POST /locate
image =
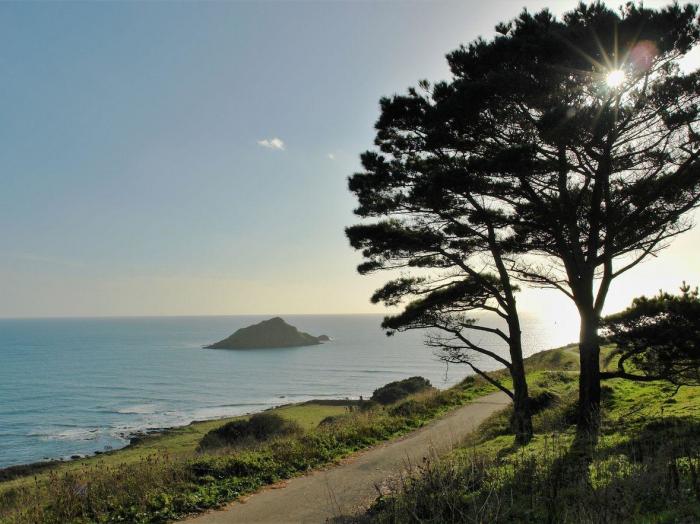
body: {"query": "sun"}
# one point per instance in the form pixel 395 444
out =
pixel 615 78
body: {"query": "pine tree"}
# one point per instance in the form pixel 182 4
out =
pixel 577 138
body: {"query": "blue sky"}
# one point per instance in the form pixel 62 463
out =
pixel 139 169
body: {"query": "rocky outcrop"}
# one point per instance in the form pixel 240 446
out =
pixel 273 333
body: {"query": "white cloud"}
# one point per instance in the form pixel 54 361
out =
pixel 272 143
pixel 331 156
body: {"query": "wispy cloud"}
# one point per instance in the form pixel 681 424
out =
pixel 272 143
pixel 331 156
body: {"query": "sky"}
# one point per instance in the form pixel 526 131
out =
pixel 191 158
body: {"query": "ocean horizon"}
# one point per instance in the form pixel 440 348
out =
pixel 75 386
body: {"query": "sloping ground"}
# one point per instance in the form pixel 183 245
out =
pixel 166 478
pixel 643 468
pixel 174 442
pixel 350 487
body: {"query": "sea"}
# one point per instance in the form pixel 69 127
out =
pixel 78 386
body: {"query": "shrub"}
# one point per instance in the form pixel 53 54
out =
pixel 260 426
pixel 410 408
pixel 552 379
pixel 542 400
pixel 367 405
pixel 389 394
pixel 331 420
pixel 395 391
pixel 468 381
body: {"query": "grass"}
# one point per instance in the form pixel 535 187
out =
pixel 175 442
pixel 164 477
pixel 643 468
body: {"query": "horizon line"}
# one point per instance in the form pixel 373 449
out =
pixel 98 317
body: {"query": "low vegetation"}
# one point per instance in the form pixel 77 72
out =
pixel 176 480
pixel 643 467
pixel 175 442
pixel 400 389
pixel 257 428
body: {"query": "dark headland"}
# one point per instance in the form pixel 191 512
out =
pixel 273 333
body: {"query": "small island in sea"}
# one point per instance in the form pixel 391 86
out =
pixel 273 333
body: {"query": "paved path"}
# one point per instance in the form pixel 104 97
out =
pixel 351 486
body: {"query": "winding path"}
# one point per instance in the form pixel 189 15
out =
pixel 349 487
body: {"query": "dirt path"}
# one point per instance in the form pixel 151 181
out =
pixel 347 488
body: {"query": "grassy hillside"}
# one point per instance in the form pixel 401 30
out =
pixel 165 477
pixel 645 466
pixel 176 442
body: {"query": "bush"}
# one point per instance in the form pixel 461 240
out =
pixel 330 420
pixel 542 400
pixel 410 408
pixel 367 405
pixel 260 426
pixel 553 379
pixel 389 394
pixel 395 391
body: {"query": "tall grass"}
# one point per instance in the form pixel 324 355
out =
pixel 644 467
pixel 550 486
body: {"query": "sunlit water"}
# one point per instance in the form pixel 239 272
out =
pixel 76 386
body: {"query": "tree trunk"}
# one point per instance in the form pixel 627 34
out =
pixel 521 421
pixel 589 379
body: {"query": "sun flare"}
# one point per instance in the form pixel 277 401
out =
pixel 615 78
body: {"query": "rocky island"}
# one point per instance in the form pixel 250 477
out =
pixel 273 333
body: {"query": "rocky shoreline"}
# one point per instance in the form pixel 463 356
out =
pixel 133 438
